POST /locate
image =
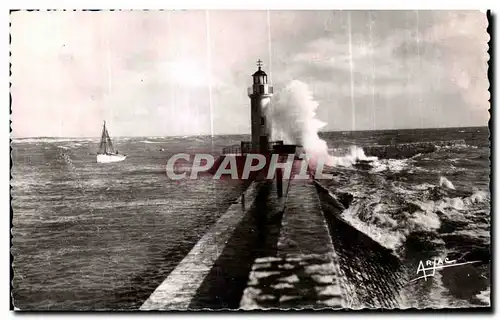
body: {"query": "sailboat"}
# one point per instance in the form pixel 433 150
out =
pixel 107 153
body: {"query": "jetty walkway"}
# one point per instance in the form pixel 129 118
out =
pixel 268 251
pixel 304 272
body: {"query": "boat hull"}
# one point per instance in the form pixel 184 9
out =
pixel 108 158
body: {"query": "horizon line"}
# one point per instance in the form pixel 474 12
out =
pixel 241 134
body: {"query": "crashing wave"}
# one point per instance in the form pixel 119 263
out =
pixel 391 239
pixel 355 155
pixel 477 197
pixel 391 220
pixel 391 232
pixel 446 183
pixel 394 165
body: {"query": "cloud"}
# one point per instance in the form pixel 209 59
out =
pixel 427 56
pixel 140 69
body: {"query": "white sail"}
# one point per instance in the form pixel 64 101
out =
pixel 107 153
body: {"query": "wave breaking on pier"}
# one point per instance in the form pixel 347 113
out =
pixel 293 114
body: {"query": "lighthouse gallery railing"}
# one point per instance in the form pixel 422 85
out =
pixel 247 147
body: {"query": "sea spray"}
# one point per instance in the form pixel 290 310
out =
pixel 293 115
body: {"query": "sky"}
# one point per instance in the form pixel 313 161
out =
pixel 159 73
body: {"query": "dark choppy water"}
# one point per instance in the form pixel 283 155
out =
pixel 90 236
pixel 98 236
pixel 410 207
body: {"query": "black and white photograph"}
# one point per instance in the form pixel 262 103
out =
pixel 214 160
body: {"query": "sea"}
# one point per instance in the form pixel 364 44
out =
pixel 89 236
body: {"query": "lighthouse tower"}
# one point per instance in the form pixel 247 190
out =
pixel 260 94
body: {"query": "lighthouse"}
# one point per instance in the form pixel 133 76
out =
pixel 260 94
